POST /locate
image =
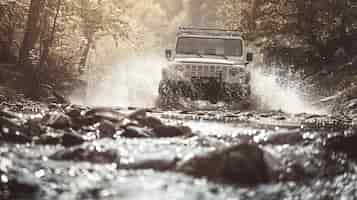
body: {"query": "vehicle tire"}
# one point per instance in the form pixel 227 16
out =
pixel 168 93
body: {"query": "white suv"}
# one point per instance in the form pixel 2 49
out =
pixel 208 64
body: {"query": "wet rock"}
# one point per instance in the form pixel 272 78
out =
pixel 8 114
pixel 139 114
pixel 12 188
pixel 143 120
pixel 289 137
pixel 280 118
pixel 77 115
pixel 241 164
pixel 136 132
pixel 159 165
pixel 12 132
pixel 57 120
pixel 74 112
pixel 93 154
pixel 150 122
pixel 100 114
pixel 107 129
pixel 265 115
pixel 294 171
pixel 9 123
pixel 50 139
pixel 171 131
pixel 344 144
pixel 33 127
pixel 15 137
pixel 72 139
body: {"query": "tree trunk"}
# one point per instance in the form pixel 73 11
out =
pixel 47 43
pixel 254 14
pixel 85 54
pixel 31 31
pixel 30 85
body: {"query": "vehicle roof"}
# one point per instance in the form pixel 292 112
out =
pixel 208 33
pixel 209 36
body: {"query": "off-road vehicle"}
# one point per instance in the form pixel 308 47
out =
pixel 207 64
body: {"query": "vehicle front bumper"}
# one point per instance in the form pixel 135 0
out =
pixel 207 88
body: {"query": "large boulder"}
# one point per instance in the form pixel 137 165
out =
pixel 244 164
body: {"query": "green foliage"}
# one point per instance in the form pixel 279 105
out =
pixel 11 21
pixel 61 38
pixel 321 24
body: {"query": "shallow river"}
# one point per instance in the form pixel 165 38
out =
pixel 28 172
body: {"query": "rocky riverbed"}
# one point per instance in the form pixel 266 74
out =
pixel 64 151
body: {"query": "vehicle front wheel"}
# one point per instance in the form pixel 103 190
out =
pixel 168 93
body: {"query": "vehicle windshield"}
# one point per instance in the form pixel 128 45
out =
pixel 209 46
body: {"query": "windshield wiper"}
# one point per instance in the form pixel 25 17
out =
pixel 198 54
pixel 221 55
pixel 224 56
pixel 193 53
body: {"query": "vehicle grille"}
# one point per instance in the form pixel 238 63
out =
pixel 206 70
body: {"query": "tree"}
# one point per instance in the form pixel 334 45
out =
pixel 32 31
pixel 11 20
pixel 323 25
pixel 30 83
pixel 95 20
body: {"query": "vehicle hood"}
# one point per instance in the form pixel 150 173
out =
pixel 208 60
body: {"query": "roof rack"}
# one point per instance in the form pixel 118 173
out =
pixel 208 31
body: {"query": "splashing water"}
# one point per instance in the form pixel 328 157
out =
pixel 287 96
pixel 132 82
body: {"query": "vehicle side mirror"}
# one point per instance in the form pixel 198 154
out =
pixel 168 54
pixel 250 57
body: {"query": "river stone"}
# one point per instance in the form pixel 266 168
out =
pixel 57 120
pixel 100 114
pixel 132 131
pixel 150 122
pixel 107 129
pixel 344 144
pixel 12 188
pixel 78 117
pixel 50 139
pixel 291 137
pixel 244 164
pixel 159 165
pixel 14 137
pixel 89 153
pixel 11 132
pixel 171 131
pixel 8 114
pixel 143 120
pixel 138 114
pixel 72 139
